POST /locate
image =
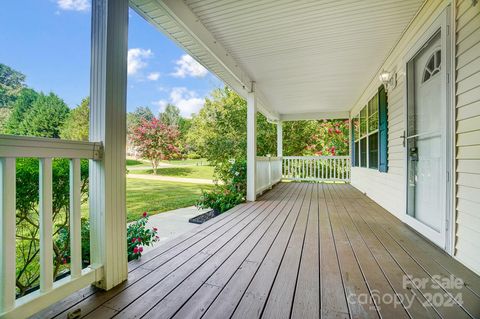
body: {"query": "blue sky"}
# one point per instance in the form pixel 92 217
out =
pixel 49 42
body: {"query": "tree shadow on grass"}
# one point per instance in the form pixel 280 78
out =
pixel 131 162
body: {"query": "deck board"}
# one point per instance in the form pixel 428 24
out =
pixel 301 251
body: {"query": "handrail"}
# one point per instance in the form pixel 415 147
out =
pixel 269 172
pixel 26 146
pixel 44 149
pixel 316 168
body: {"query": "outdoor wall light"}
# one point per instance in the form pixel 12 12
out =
pixel 388 79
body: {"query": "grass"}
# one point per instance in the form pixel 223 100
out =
pixel 202 172
pixel 133 162
pixel 159 196
pixel 200 162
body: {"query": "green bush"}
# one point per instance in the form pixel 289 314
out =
pixel 63 241
pixel 220 199
pixel 193 155
pixel 224 197
pixel 27 221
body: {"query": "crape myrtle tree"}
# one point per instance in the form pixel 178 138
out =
pixel 329 138
pixel 156 141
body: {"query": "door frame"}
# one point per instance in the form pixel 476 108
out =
pixel 444 239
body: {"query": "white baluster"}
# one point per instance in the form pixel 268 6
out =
pixel 335 164
pixel 75 219
pixel 7 233
pixel 46 244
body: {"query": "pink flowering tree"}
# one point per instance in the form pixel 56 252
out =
pixel 156 141
pixel 330 139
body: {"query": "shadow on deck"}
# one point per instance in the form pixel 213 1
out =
pixel 301 251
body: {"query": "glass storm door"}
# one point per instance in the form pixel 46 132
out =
pixel 426 142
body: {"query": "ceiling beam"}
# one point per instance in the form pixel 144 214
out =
pixel 315 116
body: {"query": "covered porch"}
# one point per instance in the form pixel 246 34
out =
pixel 298 249
pixel 302 250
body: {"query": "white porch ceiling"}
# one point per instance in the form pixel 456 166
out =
pixel 307 58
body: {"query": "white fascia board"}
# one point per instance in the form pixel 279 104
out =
pixel 315 116
pixel 181 14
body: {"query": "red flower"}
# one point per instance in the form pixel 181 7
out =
pixel 135 250
pixel 155 229
pixel 330 130
pixel 140 249
pixel 144 214
pixel 338 131
pixel 134 239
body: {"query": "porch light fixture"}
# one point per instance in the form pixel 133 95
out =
pixel 388 79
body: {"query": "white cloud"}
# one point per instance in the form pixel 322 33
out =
pixel 153 76
pixel 187 66
pixel 137 59
pixel 186 100
pixel 74 5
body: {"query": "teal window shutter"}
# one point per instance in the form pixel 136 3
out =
pixel 383 130
pixel 352 144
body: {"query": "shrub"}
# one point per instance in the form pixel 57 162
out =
pixel 220 199
pixel 63 242
pixel 27 218
pixel 138 236
pixel 193 155
pixel 232 193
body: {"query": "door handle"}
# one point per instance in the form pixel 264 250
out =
pixel 403 137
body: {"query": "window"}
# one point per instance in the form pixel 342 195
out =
pixel 368 148
pixel 433 66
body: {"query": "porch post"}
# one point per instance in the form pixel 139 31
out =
pixel 251 145
pixel 108 125
pixel 279 139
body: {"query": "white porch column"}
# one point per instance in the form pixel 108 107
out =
pixel 279 139
pixel 251 145
pixel 108 125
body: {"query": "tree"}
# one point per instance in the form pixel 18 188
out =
pixel 11 83
pixel 156 141
pixel 76 125
pixel 219 131
pixel 21 106
pixel 45 117
pixel 171 115
pixel 136 117
pixel 297 135
pixel 330 138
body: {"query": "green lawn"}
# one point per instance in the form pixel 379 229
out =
pixel 200 162
pixel 159 196
pixel 134 162
pixel 203 172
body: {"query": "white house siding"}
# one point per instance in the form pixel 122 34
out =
pixel 467 236
pixel 387 189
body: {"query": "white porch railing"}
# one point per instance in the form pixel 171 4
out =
pixel 316 168
pixel 269 172
pixel 45 149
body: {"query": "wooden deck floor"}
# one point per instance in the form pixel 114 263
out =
pixel 301 251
